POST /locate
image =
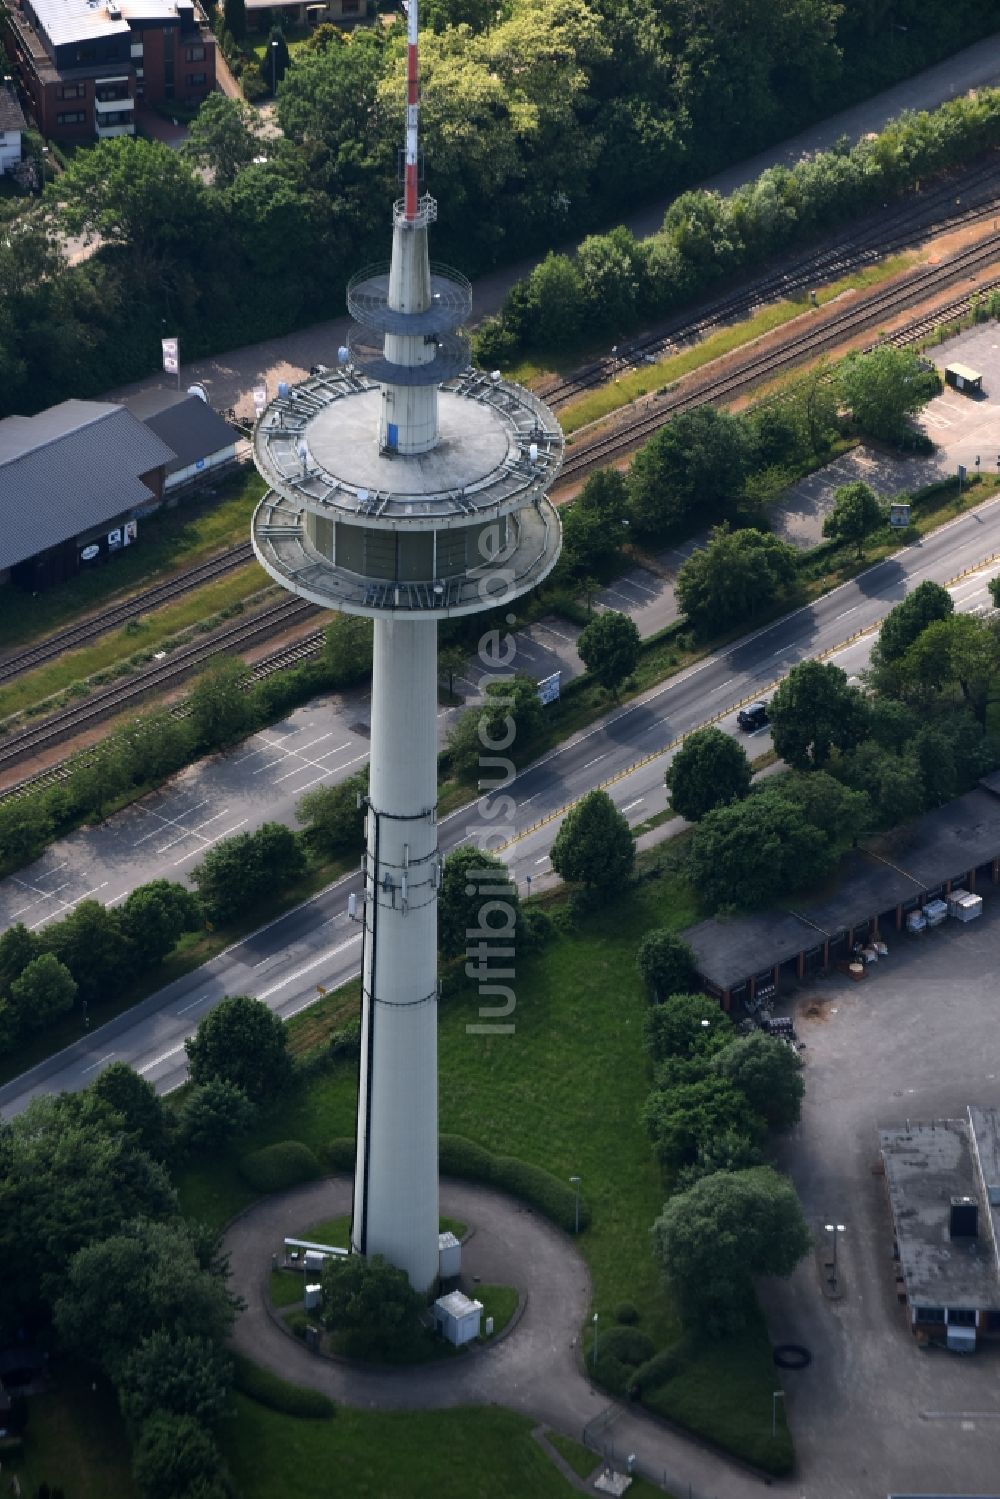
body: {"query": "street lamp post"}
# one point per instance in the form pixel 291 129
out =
pixel 274 66
pixel 594 1360
pixel 834 1229
pixel 776 1396
pixel 575 1181
pixel 527 881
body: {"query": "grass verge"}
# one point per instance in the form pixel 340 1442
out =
pixel 75 1440
pixel 169 542
pixel 580 1458
pixel 473 1453
pixel 639 382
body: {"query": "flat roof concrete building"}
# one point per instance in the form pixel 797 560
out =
pixel 943 1181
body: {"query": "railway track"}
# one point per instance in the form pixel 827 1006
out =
pixel 893 232
pixel 119 614
pixel 280 660
pixel 838 259
pixel 160 674
pixel 761 366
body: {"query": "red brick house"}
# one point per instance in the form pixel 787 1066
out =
pixel 84 63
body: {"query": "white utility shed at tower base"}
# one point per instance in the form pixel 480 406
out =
pixel 457 1317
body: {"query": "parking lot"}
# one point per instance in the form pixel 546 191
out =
pixel 916 1039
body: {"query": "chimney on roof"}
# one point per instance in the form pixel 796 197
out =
pixel 964 1218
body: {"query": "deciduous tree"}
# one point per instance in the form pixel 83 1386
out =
pixel 769 1075
pixel 666 963
pixel 885 387
pixel 813 711
pixel 609 648
pixel 709 770
pixel 238 872
pixel 749 853
pixel 138 1105
pixel 332 819
pixel 686 1025
pixel 739 575
pixel 156 915
pixel 185 1375
pixel 857 512
pixel 594 846
pixel 476 888
pixel 221 138
pixel 683 1117
pixel 242 1042
pixel 715 1238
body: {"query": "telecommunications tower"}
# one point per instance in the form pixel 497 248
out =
pixel 407 487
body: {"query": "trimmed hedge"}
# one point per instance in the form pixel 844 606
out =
pixel 284 1164
pixel 340 1153
pixel 621 1352
pixel 277 1394
pixel 464 1158
pixel 660 1369
pixel 533 1184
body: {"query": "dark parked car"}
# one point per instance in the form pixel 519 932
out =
pixel 752 717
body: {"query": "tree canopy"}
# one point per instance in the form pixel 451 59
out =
pixel 241 1041
pixel 609 648
pixel 594 846
pixel 857 512
pixel 665 962
pixel 905 621
pixel 476 889
pixel 715 1238
pixel 739 575
pixel 768 1073
pixel 886 387
pixel 813 711
pixel 709 770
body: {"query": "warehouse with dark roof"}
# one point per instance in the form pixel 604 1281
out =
pixel 202 442
pixel 74 482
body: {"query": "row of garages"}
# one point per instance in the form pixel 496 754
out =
pixel 746 960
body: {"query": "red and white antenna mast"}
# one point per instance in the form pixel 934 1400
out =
pixel 411 192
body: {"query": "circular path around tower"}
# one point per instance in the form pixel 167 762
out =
pixel 510 1245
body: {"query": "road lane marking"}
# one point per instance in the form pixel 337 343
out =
pixel 199 1001
pixel 161 1058
pixel 308 967
pixel 98 1063
pixel 637 803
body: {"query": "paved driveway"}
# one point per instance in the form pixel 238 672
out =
pixel 917 1039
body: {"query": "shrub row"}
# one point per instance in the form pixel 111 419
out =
pixel 706 238
pixel 471 1162
pixel 277 1394
pixel 287 1163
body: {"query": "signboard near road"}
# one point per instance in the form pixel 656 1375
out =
pixel 548 688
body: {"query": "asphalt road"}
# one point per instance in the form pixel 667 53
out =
pixel 315 945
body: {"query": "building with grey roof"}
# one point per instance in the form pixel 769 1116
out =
pixel 957 845
pixel 73 481
pixel 201 440
pixel 943 1181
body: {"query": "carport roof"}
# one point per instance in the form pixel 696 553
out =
pixel 898 868
pixel 727 952
pixel 948 841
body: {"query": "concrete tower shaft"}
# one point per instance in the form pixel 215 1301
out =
pixel 396 1184
pixel 406 487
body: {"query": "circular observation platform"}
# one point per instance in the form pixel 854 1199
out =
pixel 451 357
pixel 451 531
pixel 499 447
pixel 368 302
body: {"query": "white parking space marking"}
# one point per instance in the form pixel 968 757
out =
pixel 167 821
pixel 194 832
pixel 208 842
pixel 63 905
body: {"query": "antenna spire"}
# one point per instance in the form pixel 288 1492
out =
pixel 411 192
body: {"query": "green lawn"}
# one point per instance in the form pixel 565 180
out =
pixel 564 1091
pixel 474 1453
pixel 646 378
pixel 168 542
pixel 287 1287
pixel 580 1458
pixel 75 1441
